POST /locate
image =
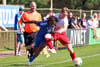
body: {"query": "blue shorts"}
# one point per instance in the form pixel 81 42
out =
pixel 39 39
pixel 20 38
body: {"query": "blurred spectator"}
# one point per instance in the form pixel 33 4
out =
pixel 71 21
pixel 20 37
pixel 83 21
pixel 91 25
pixel 99 19
pixel 75 20
pixel 75 17
pixel 95 18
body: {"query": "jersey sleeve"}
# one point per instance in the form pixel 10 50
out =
pixel 42 23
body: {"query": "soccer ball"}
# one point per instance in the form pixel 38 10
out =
pixel 78 61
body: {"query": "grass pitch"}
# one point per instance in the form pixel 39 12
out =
pixel 89 54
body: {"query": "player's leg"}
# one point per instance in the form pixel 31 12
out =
pixel 36 47
pixel 36 53
pixel 17 48
pixel 28 43
pixel 31 50
pixel 18 45
pixel 27 47
pixel 65 41
pixel 21 43
pixel 49 38
pixel 28 51
pixel 94 32
pixel 32 39
pixel 70 49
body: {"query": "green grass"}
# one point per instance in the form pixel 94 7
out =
pixel 61 59
pixel 9 48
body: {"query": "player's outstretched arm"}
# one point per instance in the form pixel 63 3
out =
pixel 27 21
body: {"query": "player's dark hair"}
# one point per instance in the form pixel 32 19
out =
pixel 53 18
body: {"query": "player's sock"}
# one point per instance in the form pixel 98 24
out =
pixel 31 59
pixel 72 55
pixel 31 52
pixel 49 43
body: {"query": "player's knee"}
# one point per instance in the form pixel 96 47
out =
pixel 48 36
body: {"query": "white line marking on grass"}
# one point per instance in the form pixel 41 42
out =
pixel 65 61
pixel 42 65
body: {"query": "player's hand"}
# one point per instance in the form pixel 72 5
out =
pixel 22 30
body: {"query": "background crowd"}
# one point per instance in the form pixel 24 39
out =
pixel 85 22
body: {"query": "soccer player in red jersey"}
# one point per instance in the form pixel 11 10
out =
pixel 59 33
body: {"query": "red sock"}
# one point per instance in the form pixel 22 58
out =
pixel 49 43
pixel 72 55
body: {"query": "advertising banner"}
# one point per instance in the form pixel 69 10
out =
pixel 7 14
pixel 78 37
pixel 91 39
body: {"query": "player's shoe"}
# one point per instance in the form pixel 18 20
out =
pixel 27 64
pixel 53 51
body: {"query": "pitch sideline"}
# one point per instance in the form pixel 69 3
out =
pixel 65 61
pixel 42 65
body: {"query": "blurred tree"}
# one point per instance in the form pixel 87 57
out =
pixel 91 4
pixel 85 4
pixel 62 3
pixel 40 3
pixel 72 4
